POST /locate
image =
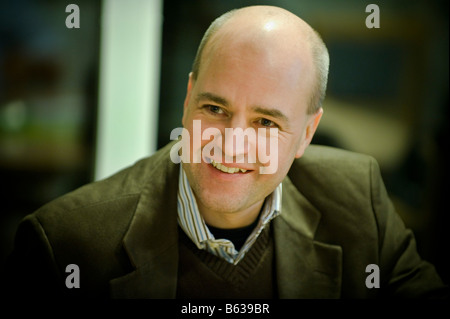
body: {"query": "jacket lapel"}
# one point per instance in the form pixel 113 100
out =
pixel 152 241
pixel 305 268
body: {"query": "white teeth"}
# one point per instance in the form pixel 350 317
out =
pixel 229 170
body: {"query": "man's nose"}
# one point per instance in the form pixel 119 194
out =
pixel 238 141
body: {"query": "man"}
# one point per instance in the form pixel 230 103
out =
pixel 315 227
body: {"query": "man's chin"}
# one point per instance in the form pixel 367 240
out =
pixel 223 202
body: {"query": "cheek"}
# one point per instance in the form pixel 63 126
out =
pixel 202 134
pixel 282 153
pixel 276 153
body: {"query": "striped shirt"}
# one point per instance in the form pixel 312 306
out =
pixel 193 224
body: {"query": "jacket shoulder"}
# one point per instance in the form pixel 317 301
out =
pixel 319 155
pixel 87 226
pixel 343 186
pixel 328 168
pixel 118 192
pixel 105 208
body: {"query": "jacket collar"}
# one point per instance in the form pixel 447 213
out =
pixel 308 269
pixel 305 268
pixel 151 241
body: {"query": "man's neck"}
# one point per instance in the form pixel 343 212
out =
pixel 231 220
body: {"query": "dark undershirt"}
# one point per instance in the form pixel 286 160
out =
pixel 237 236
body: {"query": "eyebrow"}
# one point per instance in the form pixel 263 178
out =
pixel 212 97
pixel 273 112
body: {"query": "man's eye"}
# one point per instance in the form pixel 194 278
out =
pixel 215 109
pixel 266 122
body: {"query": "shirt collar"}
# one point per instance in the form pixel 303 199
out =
pixel 193 224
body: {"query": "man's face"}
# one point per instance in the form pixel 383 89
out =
pixel 238 87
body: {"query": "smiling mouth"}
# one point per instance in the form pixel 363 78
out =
pixel 225 169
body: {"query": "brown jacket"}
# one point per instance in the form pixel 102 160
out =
pixel 122 233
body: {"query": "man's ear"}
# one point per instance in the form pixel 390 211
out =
pixel 311 126
pixel 188 95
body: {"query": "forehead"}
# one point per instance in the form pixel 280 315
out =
pixel 257 71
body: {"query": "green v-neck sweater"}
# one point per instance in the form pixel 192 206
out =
pixel 203 275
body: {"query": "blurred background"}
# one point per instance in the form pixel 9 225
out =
pixel 61 119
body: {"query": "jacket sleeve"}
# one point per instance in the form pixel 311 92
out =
pixel 31 271
pixel 403 273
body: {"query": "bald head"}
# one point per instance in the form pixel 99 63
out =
pixel 285 41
